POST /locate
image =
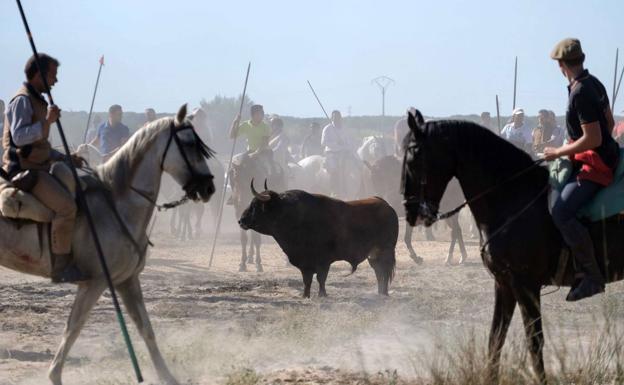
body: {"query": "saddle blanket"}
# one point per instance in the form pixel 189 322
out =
pixel 608 202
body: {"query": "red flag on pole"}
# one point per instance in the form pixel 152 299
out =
pixel 102 60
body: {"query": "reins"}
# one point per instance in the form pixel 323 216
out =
pixel 457 209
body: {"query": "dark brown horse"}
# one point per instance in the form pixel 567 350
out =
pixel 385 176
pixel 507 194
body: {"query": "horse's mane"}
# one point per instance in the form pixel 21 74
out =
pixel 502 158
pixel 120 169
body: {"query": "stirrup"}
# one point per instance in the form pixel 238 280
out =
pixel 70 274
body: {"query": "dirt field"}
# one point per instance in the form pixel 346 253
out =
pixel 219 326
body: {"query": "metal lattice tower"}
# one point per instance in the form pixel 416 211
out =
pixel 383 82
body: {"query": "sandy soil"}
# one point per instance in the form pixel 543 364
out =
pixel 220 326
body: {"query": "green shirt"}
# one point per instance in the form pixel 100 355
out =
pixel 255 135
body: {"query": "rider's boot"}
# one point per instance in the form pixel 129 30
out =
pixel 65 270
pixel 592 281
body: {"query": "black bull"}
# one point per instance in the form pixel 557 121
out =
pixel 314 231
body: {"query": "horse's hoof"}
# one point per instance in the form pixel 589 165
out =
pixel 259 268
pixel 242 267
pixel 250 260
pixel 418 260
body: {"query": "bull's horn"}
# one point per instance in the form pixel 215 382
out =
pixel 265 185
pixel 262 197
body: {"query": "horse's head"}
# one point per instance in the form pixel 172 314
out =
pixel 185 158
pixel 428 166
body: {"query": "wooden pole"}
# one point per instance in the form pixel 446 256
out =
pixel 498 115
pixel 227 175
pixel 615 79
pixel 97 81
pixel 515 82
pixel 82 201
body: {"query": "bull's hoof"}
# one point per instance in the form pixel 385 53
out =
pixel 242 267
pixel 322 294
pixel 259 268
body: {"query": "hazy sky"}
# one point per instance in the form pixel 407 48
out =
pixel 447 57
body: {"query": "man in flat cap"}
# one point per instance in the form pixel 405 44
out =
pixel 594 153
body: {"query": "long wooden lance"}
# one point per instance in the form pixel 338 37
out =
pixel 498 115
pixel 319 102
pixel 83 203
pixel 97 81
pixel 515 82
pixel 617 91
pixel 227 175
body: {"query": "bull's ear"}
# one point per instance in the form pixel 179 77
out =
pixel 181 115
pixel 416 123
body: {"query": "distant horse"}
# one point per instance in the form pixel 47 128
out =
pixel 507 193
pixel 310 175
pixel 244 169
pixel 131 181
pixel 372 149
pixel 181 221
pixel 385 177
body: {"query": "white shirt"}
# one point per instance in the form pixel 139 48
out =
pixel 523 133
pixel 334 139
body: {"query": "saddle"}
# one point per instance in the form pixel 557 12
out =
pixel 21 205
pixel 608 202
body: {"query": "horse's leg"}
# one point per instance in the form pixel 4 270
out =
pixel 529 302
pixel 132 297
pixel 86 297
pixel 200 209
pixel 449 258
pixel 504 305
pixel 409 230
pixel 251 253
pixel 172 222
pixel 243 239
pixel 460 241
pixel 257 241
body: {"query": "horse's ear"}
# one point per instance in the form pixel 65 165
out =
pixel 181 115
pixel 368 165
pixel 415 122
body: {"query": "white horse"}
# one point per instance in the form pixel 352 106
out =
pixel 372 149
pixel 133 176
pixel 310 175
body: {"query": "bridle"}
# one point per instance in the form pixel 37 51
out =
pixel 418 201
pixel 195 176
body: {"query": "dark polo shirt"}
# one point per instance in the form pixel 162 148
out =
pixel 587 102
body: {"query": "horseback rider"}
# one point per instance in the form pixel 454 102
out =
pixel 518 131
pixel 547 133
pixel 112 134
pixel 31 164
pixel 338 148
pixel 594 153
pixel 279 143
pixel 257 134
pixel 312 143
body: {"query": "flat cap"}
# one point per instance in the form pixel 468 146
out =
pixel 567 49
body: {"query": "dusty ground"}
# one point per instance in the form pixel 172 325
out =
pixel 221 326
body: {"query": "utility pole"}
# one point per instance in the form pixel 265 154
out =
pixel 383 82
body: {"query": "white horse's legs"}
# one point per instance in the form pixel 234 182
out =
pixel 86 297
pixel 132 297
